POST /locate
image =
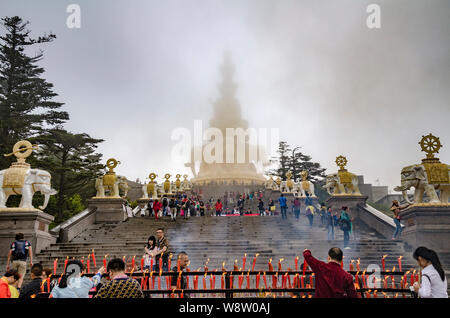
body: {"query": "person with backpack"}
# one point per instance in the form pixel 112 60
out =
pixel 309 211
pixel 73 284
pixel 345 224
pixel 19 252
pixel 165 204
pixel 433 282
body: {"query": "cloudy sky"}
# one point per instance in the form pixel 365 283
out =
pixel 136 70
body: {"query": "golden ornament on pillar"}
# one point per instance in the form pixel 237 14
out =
pixel 14 176
pixel 344 176
pixel 151 184
pixel 278 181
pixel 289 182
pixel 305 182
pixel 178 181
pixel 437 172
pixel 167 183
pixel 109 178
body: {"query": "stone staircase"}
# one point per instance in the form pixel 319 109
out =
pixel 227 238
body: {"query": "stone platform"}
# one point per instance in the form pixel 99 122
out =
pixel 33 223
pixel 427 225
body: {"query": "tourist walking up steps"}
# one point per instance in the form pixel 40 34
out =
pixel 283 206
pixel 346 226
pixel 73 284
pixel 271 207
pixel 296 208
pixel 396 208
pixel 120 285
pixel 19 252
pixel 329 220
pixel 173 208
pixel 157 208
pixel 218 207
pixel 261 207
pixel 331 280
pixel 433 281
pixel 309 209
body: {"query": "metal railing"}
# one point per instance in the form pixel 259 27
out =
pixel 297 284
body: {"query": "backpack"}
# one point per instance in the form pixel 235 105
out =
pixel 344 225
pixel 20 251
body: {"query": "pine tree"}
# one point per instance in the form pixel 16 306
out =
pixel 26 105
pixel 73 163
pixel 283 160
pixel 300 162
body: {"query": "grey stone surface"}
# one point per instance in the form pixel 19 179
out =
pixel 67 230
pixel 427 226
pixel 108 209
pixel 32 223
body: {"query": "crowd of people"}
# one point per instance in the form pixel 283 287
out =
pixel 331 280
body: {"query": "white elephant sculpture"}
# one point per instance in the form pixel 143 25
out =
pixel 426 182
pixel 296 190
pixel 307 186
pixel 149 190
pixel 36 180
pixel 120 183
pixel 335 186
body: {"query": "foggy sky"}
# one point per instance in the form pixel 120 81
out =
pixel 138 69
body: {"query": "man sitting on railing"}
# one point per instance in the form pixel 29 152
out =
pixel 331 280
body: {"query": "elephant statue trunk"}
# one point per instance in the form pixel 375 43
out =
pixel 405 196
pixel 47 197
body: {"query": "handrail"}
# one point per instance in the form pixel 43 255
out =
pixel 66 225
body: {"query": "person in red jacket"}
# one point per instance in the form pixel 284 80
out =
pixel 156 207
pixel 218 208
pixel 331 280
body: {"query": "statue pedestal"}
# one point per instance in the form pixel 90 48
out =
pixel 428 226
pixel 143 202
pixel 351 201
pixel 33 223
pixel 108 210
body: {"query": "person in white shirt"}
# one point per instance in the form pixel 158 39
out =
pixel 433 281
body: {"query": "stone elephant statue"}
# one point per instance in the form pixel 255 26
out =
pixel 147 189
pixel 307 186
pixel 296 190
pixel 334 185
pixel 114 190
pixel 284 187
pixel 35 180
pixel 418 177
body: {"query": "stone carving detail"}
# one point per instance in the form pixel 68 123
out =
pixel 19 178
pixel 111 182
pixel 428 177
pixel 343 182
